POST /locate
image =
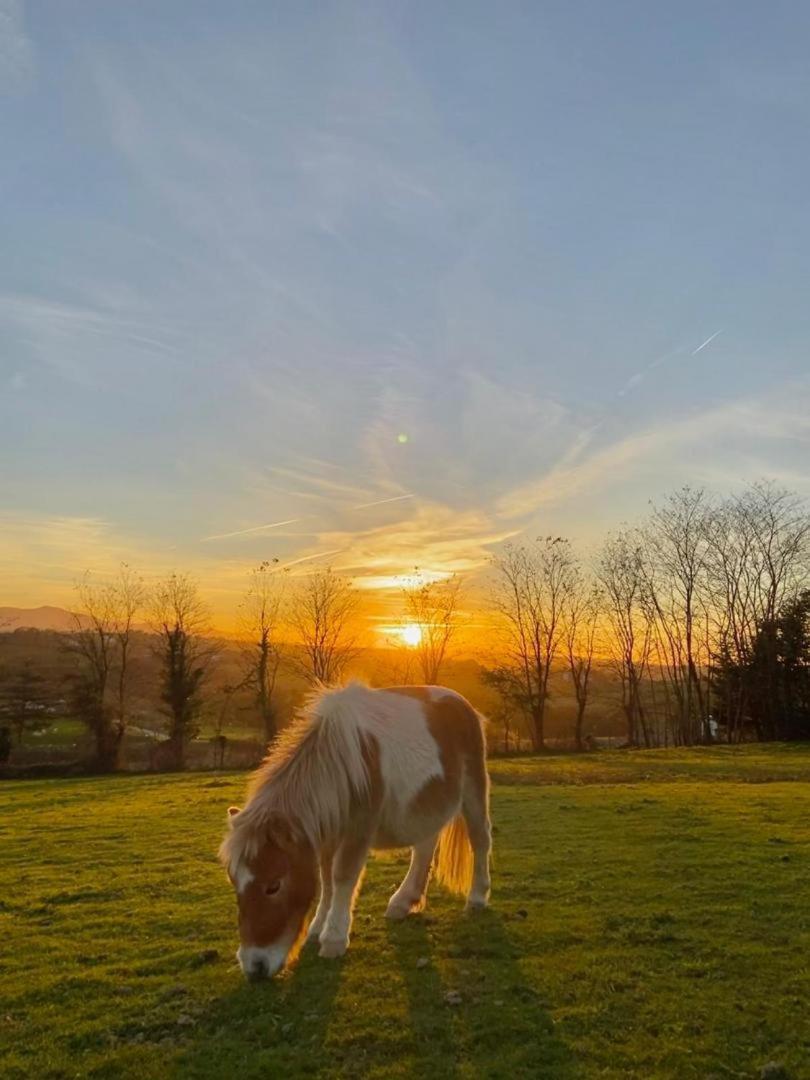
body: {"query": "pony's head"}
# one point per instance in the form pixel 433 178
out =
pixel 274 873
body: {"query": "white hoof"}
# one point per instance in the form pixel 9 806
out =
pixel 400 908
pixel 332 948
pixel 477 903
pixel 397 912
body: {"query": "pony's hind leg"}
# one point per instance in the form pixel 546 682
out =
pixel 475 808
pixel 410 896
pixel 325 902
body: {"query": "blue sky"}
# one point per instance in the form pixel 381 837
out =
pixel 248 246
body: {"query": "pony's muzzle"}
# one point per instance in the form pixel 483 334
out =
pixel 260 963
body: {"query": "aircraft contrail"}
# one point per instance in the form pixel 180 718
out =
pixel 307 558
pixel 254 529
pixel 381 502
pixel 708 341
pixel 639 376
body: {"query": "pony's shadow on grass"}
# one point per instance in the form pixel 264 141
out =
pixel 269 1028
pixel 469 1001
pixel 435 1039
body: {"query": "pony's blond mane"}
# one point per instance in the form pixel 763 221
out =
pixel 309 781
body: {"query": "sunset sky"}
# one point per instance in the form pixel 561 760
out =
pixel 383 284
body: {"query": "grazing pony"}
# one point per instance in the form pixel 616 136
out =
pixel 360 769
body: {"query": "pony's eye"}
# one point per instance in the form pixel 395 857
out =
pixel 272 888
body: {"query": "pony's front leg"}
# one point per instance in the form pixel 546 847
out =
pixel 347 869
pixel 327 854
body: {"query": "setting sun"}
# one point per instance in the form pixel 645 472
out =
pixel 411 634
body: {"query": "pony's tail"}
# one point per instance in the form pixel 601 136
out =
pixel 454 858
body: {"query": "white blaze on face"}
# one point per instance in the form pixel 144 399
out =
pixel 242 877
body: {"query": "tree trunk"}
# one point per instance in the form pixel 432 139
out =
pixel 269 723
pixel 175 757
pixel 538 733
pixel 631 727
pixel 580 723
pixel 108 749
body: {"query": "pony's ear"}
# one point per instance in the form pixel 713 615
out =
pixel 232 812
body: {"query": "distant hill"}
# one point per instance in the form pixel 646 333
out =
pixel 39 618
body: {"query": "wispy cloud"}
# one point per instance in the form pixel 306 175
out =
pixel 383 502
pixel 73 340
pixel 41 556
pixel 251 531
pixel 660 449
pixel 437 539
pixel 309 482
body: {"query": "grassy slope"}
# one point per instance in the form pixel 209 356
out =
pixel 650 919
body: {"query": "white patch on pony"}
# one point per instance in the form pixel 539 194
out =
pixel 409 755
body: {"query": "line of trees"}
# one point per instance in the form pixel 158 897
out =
pixel 701 612
pixel 308 627
pixel 320 611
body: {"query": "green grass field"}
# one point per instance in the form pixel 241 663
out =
pixel 650 918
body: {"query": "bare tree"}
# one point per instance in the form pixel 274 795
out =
pixel 185 650
pixel 93 644
pixel 260 618
pixel 532 588
pixel 433 606
pixel 676 554
pixel 101 639
pixel 127 599
pixel 621 572
pixel 581 621
pixel 323 614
